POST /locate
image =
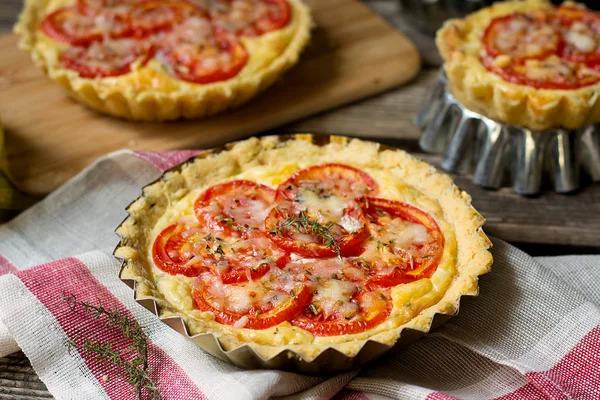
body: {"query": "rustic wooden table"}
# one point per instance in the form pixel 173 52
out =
pixel 382 117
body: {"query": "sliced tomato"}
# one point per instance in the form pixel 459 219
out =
pixel 152 16
pixel 67 25
pixel 251 17
pixel 521 36
pixel 96 7
pixel 237 208
pixel 373 307
pixel 261 315
pixel 317 215
pixel 581 33
pixel 567 15
pixel 406 243
pixel 326 180
pixel 556 73
pixel 240 260
pixel 175 247
pixel 299 232
pixel 105 59
pixel 193 51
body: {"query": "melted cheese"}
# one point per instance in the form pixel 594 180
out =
pixel 252 215
pixel 524 38
pixel 403 233
pixel 334 296
pixel 331 207
pixel 581 37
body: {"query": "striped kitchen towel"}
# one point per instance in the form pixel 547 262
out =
pixel 533 333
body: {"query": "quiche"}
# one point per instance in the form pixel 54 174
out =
pixel 526 63
pixel 293 244
pixel 158 60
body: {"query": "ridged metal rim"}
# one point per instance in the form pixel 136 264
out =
pixel 497 153
pixel 328 361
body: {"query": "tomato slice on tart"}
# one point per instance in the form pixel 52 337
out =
pixel 96 7
pixel 239 260
pixel 153 16
pixel 68 26
pixel 581 33
pixel 317 235
pixel 406 243
pixel 551 73
pixel 254 305
pixel 175 247
pixel 568 14
pixel 237 208
pixel 343 308
pixel 251 17
pixel 317 214
pixel 107 58
pixel 521 36
pixel 321 182
pixel 194 51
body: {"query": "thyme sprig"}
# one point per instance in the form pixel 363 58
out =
pixel 136 371
pixel 303 224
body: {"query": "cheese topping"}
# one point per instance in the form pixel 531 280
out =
pixel 582 38
pixel 544 48
pixel 523 37
pixel 334 298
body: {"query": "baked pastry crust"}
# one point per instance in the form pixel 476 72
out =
pixel 459 42
pixel 148 93
pixel 270 161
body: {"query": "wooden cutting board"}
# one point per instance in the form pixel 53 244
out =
pixel 50 138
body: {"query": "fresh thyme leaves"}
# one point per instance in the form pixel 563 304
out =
pixel 219 250
pixel 362 263
pixel 136 371
pixel 135 374
pixel 303 224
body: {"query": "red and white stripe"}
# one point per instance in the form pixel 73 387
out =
pixel 164 160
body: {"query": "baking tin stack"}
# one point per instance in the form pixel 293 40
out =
pixel 499 155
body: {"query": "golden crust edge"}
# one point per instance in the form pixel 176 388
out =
pixel 155 105
pixel 485 92
pixel 456 204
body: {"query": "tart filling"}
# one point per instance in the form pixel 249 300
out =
pixel 148 59
pixel 526 63
pixel 287 245
pixel 546 49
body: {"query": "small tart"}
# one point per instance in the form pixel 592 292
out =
pixel 284 244
pixel 526 63
pixel 163 60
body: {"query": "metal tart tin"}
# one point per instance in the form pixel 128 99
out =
pixel 329 361
pixel 497 154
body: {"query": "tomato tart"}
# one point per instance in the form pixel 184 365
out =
pixel 526 63
pixel 287 244
pixel 158 60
